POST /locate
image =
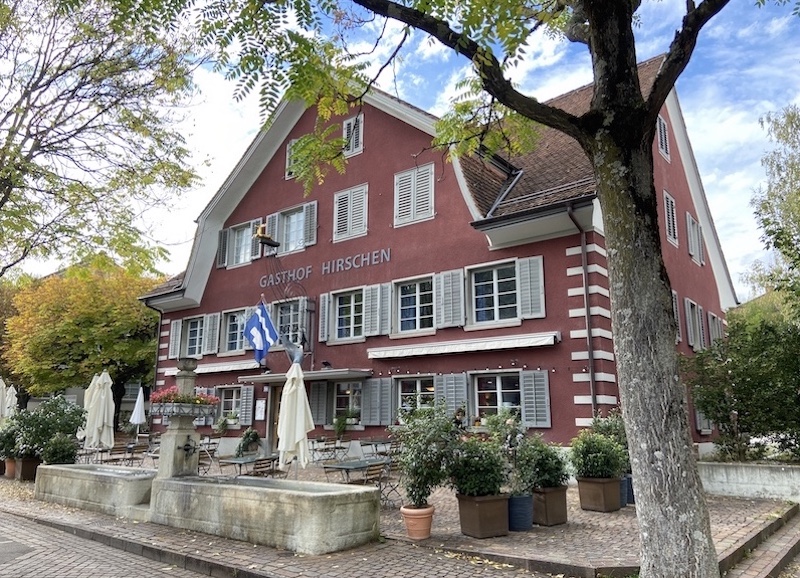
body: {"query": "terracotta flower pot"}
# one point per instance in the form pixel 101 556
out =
pixel 418 521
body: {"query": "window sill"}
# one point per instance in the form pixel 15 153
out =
pixel 232 353
pixel 346 341
pixel 407 334
pixel 414 221
pixel 330 427
pixel 493 325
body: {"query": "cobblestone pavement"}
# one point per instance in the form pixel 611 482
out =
pixel 590 539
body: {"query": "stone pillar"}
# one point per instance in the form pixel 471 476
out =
pixel 177 454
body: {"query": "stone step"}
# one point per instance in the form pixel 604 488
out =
pixel 771 556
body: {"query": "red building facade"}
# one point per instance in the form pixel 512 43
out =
pixel 482 281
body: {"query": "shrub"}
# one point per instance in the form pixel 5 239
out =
pixel 478 467
pixel 60 449
pixel 249 436
pixel 613 426
pixel 595 455
pixel 36 427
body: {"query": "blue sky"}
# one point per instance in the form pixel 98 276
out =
pixel 746 64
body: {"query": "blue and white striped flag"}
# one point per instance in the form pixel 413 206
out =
pixel 260 332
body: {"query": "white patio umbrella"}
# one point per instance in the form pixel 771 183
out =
pixel 87 400
pixel 2 400
pixel 100 413
pixel 11 401
pixel 294 420
pixel 138 416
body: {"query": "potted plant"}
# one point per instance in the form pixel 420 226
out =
pixel 613 426
pixel 425 439
pixel 549 484
pixel 599 461
pixel 8 439
pixel 170 401
pixel 247 440
pixel 221 425
pixel 478 472
pixel 60 449
pixel 340 425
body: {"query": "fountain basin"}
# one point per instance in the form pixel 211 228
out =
pixel 306 517
pixel 113 490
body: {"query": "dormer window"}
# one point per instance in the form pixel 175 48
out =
pixel 353 134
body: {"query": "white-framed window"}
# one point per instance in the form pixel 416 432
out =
pixel 694 234
pixel 194 336
pixel 494 293
pixel 290 318
pixel 294 228
pixel 349 309
pixel 350 213
pixel 695 325
pixel 353 134
pixel 236 403
pixel 413 195
pixel 288 174
pixel 237 245
pixel 416 392
pixel 233 323
pixel 414 305
pixel 677 315
pixel 497 391
pixel 348 399
pixel 671 218
pixel 663 137
pixel 716 328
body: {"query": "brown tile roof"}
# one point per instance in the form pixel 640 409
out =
pixel 554 172
pixel 166 287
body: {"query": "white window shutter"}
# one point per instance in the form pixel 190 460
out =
pixel 302 317
pixel 318 400
pixel 700 248
pixel 386 309
pixel 530 279
pixel 687 303
pixel 248 312
pixel 403 197
pixel 222 249
pixel 677 315
pixel 376 401
pixel 449 298
pixel 341 214
pixel 246 405
pixel 310 223
pixel 210 334
pixel 423 193
pixel 691 234
pixel 535 398
pixel 701 326
pixel 358 210
pixel 452 388
pixel 255 244
pixel 272 231
pixel 372 303
pixel 324 298
pixel 289 158
pixel 175 339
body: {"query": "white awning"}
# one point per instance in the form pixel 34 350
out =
pixel 215 367
pixel 466 345
pixel 321 375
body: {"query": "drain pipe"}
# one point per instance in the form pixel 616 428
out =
pixel 588 316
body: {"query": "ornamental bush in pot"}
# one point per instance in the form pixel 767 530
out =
pixel 426 437
pixel 478 472
pixel 599 461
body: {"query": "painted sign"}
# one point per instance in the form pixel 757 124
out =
pixel 339 265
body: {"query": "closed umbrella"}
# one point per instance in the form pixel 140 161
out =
pixel 11 401
pixel 87 401
pixel 100 413
pixel 2 400
pixel 138 416
pixel 294 420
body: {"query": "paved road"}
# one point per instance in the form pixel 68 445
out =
pixel 32 550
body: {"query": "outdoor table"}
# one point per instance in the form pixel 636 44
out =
pixel 347 466
pixel 243 460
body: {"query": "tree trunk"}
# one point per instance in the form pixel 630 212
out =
pixel 670 505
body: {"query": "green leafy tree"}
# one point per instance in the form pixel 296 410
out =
pixel 777 204
pixel 749 384
pixel 69 327
pixel 308 50
pixel 86 132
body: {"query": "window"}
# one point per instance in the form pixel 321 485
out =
pixel 671 218
pixel 194 336
pixel 289 160
pixel 230 402
pixel 348 399
pixel 715 327
pixel 413 195
pixel 495 293
pixel 233 330
pixel 349 314
pixel 415 305
pixel 663 137
pixel 496 392
pixel 695 325
pixel 238 245
pixel 290 318
pixel 416 392
pixel 694 234
pixel 353 134
pixel 677 316
pixel 350 213
pixel 294 228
